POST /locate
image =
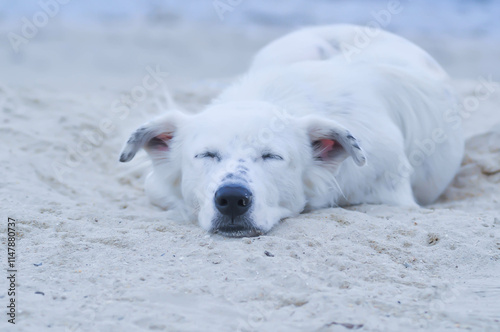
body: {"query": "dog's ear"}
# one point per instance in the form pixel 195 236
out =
pixel 154 136
pixel 331 142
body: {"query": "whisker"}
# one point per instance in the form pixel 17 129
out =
pixel 334 180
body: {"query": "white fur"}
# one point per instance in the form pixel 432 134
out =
pixel 387 108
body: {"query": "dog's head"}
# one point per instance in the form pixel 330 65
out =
pixel 239 168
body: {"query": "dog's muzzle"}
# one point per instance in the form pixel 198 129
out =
pixel 233 202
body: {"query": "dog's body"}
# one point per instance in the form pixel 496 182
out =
pixel 309 126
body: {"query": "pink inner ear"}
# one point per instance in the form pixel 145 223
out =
pixel 165 138
pixel 326 146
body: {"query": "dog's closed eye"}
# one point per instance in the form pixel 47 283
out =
pixel 270 156
pixel 209 154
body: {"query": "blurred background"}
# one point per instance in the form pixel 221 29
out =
pixel 94 43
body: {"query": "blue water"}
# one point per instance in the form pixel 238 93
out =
pixel 460 18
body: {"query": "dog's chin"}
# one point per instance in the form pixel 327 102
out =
pixel 238 227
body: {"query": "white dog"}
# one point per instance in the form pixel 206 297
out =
pixel 317 121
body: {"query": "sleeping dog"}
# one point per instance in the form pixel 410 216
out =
pixel 317 121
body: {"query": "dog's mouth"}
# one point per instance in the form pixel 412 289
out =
pixel 235 227
pixel 238 232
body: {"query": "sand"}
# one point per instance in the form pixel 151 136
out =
pixel 94 255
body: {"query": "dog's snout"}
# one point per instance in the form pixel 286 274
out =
pixel 233 201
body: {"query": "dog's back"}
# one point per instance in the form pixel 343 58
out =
pixel 352 43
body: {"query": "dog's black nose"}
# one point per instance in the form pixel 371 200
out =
pixel 233 200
